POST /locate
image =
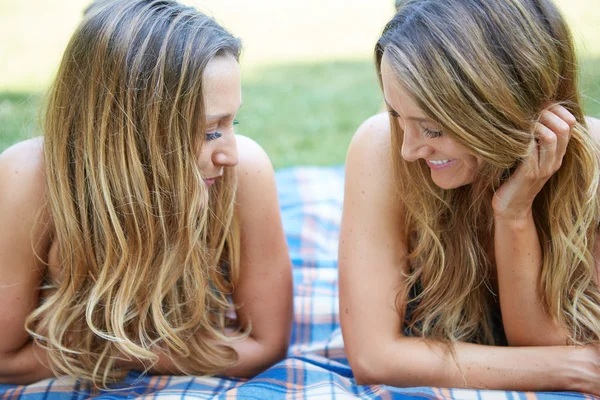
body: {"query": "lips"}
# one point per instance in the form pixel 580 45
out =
pixel 439 164
pixel 211 181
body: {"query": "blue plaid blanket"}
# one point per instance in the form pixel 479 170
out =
pixel 316 367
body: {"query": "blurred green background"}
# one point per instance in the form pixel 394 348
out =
pixel 308 77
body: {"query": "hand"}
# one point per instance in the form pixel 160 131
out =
pixel 583 373
pixel 552 133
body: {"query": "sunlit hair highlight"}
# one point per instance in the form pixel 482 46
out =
pixel 485 70
pixel 149 254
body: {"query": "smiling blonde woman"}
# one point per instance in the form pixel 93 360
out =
pixel 469 238
pixel 140 232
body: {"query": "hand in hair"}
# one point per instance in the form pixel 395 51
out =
pixel 519 257
pixel 373 269
pixel 552 132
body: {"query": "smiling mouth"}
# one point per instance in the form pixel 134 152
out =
pixel 439 162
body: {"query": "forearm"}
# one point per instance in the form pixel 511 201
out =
pixel 25 366
pixel 411 362
pixel 518 263
pixel 255 356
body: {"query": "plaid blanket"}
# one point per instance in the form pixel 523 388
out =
pixel 316 368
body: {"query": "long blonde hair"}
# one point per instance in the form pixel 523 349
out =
pixel 149 254
pixel 485 70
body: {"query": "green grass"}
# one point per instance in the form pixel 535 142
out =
pixel 18 117
pixel 306 114
pixel 301 106
pixel 590 86
pixel 302 114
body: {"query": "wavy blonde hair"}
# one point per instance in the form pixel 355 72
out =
pixel 149 254
pixel 485 70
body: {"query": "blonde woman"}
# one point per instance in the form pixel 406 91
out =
pixel 469 238
pixel 140 232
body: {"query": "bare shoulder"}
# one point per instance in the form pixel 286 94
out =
pixel 256 177
pixel 369 160
pixel 23 186
pixel 22 174
pixel 594 127
pixel 374 133
pixel 371 201
pixel 252 157
pixel 28 151
pixel 24 238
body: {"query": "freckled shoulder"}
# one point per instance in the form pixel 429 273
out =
pixel 252 159
pixel 376 128
pixel 24 239
pixel 372 144
pixel 256 197
pixel 254 170
pixel 22 197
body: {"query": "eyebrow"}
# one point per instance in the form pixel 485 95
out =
pixel 419 119
pixel 220 116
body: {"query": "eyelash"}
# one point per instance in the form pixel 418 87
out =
pixel 213 136
pixel 428 132
pixel 432 134
pixel 216 135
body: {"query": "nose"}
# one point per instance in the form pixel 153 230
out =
pixel 226 154
pixel 414 146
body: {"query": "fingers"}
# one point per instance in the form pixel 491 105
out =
pixel 560 121
pixel 547 143
pixel 553 132
pixel 564 114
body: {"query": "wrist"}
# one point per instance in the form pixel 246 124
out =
pixel 577 367
pixel 516 216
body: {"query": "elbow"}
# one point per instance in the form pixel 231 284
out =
pixel 363 375
pixel 266 353
pixel 276 345
pixel 277 349
pixel 366 366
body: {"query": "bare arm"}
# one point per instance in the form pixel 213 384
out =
pixel 593 125
pixel 26 365
pixel 517 247
pixel 519 261
pixel 372 258
pixel 22 236
pixel 518 251
pixel 265 291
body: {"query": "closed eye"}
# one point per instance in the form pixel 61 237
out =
pixel 213 136
pixel 432 134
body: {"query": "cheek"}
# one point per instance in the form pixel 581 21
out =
pixel 473 162
pixel 204 157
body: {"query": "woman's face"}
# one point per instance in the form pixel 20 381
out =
pixel 451 164
pixel 222 98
